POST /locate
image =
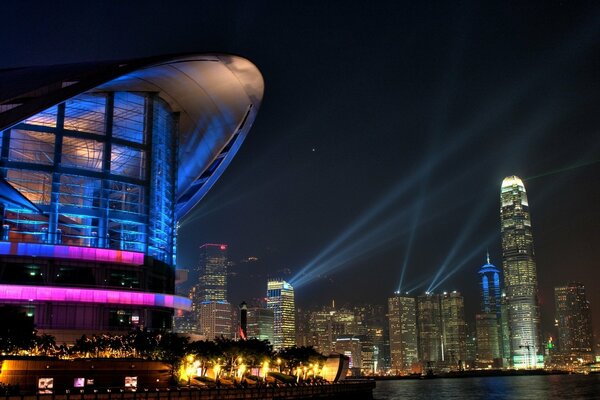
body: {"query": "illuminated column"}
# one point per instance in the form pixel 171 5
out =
pixel 520 277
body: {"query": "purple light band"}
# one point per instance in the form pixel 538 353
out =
pixel 99 296
pixel 71 252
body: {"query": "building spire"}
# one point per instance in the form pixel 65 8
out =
pixel 488 256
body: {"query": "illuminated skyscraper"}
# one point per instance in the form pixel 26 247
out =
pixel 260 323
pixel 280 298
pixel 488 321
pixel 574 322
pixel 429 328
pixel 520 277
pixel 454 329
pixel 212 272
pixel 99 163
pixel 214 311
pixel 402 314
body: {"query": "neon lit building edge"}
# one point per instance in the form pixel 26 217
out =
pixel 97 296
pixel 71 252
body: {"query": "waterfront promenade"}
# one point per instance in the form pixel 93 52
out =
pixel 344 390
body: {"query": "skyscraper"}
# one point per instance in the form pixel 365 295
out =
pixel 280 298
pixel 402 314
pixel 214 311
pixel 488 321
pixel 520 277
pixel 454 329
pixel 574 322
pixel 212 272
pixel 429 328
pixel 260 323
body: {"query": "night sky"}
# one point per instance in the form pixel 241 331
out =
pixel 384 135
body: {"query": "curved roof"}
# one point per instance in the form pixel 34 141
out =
pixel 512 180
pixel 217 97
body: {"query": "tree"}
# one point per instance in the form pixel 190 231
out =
pixel 17 330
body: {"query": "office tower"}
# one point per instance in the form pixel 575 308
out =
pixel 260 323
pixel 488 321
pixel 520 277
pixel 504 333
pixel 574 320
pixel 350 346
pixel 212 272
pixel 491 293
pixel 280 298
pixel 402 315
pixel 454 329
pixel 215 319
pixel 100 161
pixel 488 341
pixel 429 328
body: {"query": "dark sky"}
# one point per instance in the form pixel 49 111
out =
pixel 387 125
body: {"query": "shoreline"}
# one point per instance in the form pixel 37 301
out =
pixel 474 374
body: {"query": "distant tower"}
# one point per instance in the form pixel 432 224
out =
pixel 429 328
pixel 574 322
pixel 488 322
pixel 402 314
pixel 454 329
pixel 210 296
pixel 490 288
pixel 280 298
pixel 212 272
pixel 520 277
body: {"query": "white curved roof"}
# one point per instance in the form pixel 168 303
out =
pixel 217 97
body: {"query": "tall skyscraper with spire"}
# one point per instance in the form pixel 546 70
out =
pixel 520 277
pixel 488 320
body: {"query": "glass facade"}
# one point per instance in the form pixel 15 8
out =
pixel 280 298
pixel 520 276
pixel 102 168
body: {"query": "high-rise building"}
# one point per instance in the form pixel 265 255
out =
pixel 491 293
pixel 454 329
pixel 573 317
pixel 488 322
pixel 215 319
pixel 280 298
pixel 260 323
pixel 488 341
pixel 429 328
pixel 402 315
pixel 99 163
pixel 520 276
pixel 212 272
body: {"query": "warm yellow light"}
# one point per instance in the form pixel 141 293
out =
pixel 279 361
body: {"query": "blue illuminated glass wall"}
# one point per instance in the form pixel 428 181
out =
pixel 101 167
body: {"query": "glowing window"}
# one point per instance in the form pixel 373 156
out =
pixel 86 113
pixel 31 147
pixel 82 153
pixel 128 116
pixel 128 161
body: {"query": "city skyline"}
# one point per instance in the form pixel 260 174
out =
pixel 385 134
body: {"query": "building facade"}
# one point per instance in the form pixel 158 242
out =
pixel 454 330
pixel 574 321
pixel 520 275
pixel 429 329
pixel 260 323
pixel 488 323
pixel 280 298
pixel 97 166
pixel 402 316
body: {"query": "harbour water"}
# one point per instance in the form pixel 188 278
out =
pixel 571 387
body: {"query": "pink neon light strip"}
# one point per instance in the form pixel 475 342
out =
pixel 71 252
pixel 76 295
